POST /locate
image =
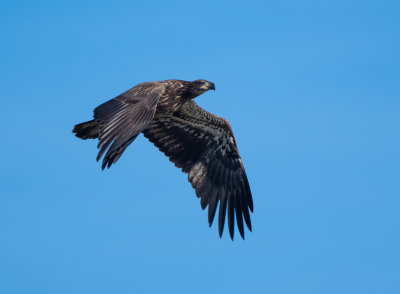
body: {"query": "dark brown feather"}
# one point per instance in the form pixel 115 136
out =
pixel 87 130
pixel 198 142
pixel 202 145
pixel 124 117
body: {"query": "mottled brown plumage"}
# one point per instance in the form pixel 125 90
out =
pixel 198 142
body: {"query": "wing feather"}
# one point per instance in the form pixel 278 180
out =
pixel 221 214
pixel 238 207
pixel 202 145
pixel 122 119
pixel 231 215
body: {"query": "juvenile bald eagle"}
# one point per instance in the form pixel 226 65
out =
pixel 198 142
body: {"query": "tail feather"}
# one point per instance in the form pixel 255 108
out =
pixel 87 130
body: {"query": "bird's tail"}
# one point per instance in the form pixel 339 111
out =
pixel 87 130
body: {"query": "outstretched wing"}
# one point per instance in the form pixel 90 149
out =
pixel 202 145
pixel 122 119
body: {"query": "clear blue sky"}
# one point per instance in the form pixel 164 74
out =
pixel 312 91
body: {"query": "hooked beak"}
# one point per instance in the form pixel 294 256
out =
pixel 212 87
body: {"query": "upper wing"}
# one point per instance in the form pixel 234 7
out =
pixel 122 119
pixel 203 145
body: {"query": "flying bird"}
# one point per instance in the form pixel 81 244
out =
pixel 200 143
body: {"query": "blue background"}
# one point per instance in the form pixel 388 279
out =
pixel 312 91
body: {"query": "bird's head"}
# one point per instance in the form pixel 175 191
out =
pixel 198 87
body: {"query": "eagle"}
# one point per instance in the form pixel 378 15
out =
pixel 196 141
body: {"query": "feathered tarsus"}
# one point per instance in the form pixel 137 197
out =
pixel 198 142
